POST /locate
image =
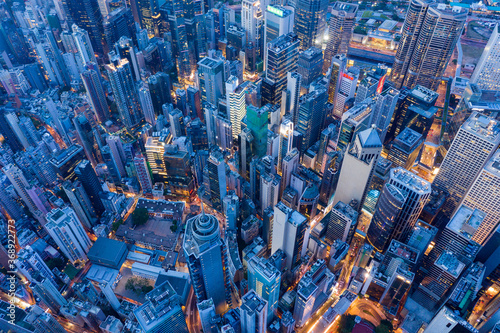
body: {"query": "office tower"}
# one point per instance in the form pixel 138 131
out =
pixel 81 203
pixel 223 133
pixel 476 141
pixel 109 294
pixel 253 313
pixel 87 16
pixel 487 72
pixel 310 65
pixel 338 67
pixel 155 150
pixel 56 118
pixel 269 190
pixel 67 231
pixel 146 103
pixel 178 175
pixel 340 31
pixel 282 55
pixel 112 167
pixel 447 321
pixel 265 278
pixel 124 90
pixel 143 174
pixel 206 309
pixel 412 64
pixel 115 145
pixel 251 21
pixel 289 228
pixel 387 210
pixel 83 45
pixel 176 121
pixel 345 89
pixel 13 121
pixel 310 21
pixel 257 119
pixel 311 116
pixel 415 109
pixel 366 88
pixel 194 102
pixel 217 178
pixel 326 144
pixel 87 176
pixel 160 88
pixel 483 195
pixel 286 142
pixel 120 22
pixel 357 167
pixel 278 22
pixel 17 179
pixel 206 257
pixel 181 101
pixel 342 223
pixel 95 94
pixel 31 264
pixel 417 191
pixel 235 100
pixel 383 111
pixel 9 207
pixel 405 149
pixel 125 49
pixel 290 164
pixel 211 73
pixel 148 14
pixel 290 98
pixel 162 311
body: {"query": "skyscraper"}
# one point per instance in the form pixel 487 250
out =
pixel 120 22
pixel 282 55
pixel 383 111
pixel 286 142
pixel 278 22
pixel 160 88
pixel 251 21
pixel 342 224
pixel 95 94
pixel 338 66
pixel 345 90
pixel 487 72
pixel 68 233
pixel 125 93
pixel 211 73
pixel 17 179
pixel 253 313
pixel 340 31
pixel 217 178
pixel 80 202
pixel 87 176
pixel 311 116
pixel 146 103
pixel 265 278
pixel 143 174
pixel 387 210
pixel 83 44
pixel 405 149
pixel 235 101
pixel 309 65
pixel 483 195
pixel 293 84
pixel 257 119
pixel 205 258
pixel 476 141
pixel 310 21
pixel 429 28
pixel 289 228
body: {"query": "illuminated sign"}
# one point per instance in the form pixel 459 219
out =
pixel 275 10
pixel 381 84
pixel 348 77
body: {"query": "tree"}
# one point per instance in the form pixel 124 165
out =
pixel 116 225
pixel 346 323
pixel 140 216
pixel 55 262
pixel 384 327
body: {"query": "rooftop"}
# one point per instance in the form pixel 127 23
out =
pixel 348 8
pixel 346 210
pixel 424 94
pixel 450 263
pixel 466 221
pixel 370 138
pixel 410 180
pixel 484 127
pixel 493 165
pixel 409 137
pixel 404 251
pixel 251 302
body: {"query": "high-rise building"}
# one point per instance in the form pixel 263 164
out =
pixel 211 73
pixel 83 45
pixel 87 16
pixel 354 121
pixel 206 309
pixel 17 179
pixel 340 31
pixel 483 195
pixel 206 258
pixel 405 149
pixel 68 233
pixel 194 102
pixel 87 176
pixel 357 168
pixel 278 22
pixel 95 94
pixel 148 14
pixel 143 175
pixel 419 39
pixel 345 90
pixel 251 21
pixel 366 88
pixel 289 228
pixel 46 290
pixel 146 103
pixel 286 142
pixel 125 92
pixel 387 210
pixel 383 111
pixel 338 67
pixel 257 119
pixel 160 88
pixel 281 58
pixel 235 101
pixel 265 279
pixel 217 178
pixel 342 223
pixel 293 84
pixel 310 21
pixel 487 72
pixel 310 65
pixel 162 311
pixel 253 313
pixel 311 116
pixel 80 202
pixel 120 22
pixel 476 141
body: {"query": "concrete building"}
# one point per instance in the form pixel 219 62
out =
pixel 253 313
pixel 487 72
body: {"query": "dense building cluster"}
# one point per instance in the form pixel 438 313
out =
pixel 249 166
